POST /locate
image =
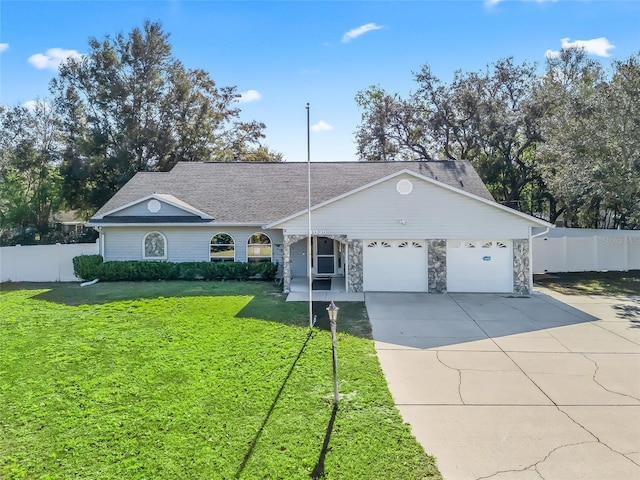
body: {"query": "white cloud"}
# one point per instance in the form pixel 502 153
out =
pixel 31 105
pixel 4 47
pixel 52 58
pixel 356 32
pixel 321 126
pixel 596 46
pixel 552 53
pixel 249 96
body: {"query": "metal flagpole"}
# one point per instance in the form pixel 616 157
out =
pixel 309 221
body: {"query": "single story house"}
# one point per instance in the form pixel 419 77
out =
pixel 424 226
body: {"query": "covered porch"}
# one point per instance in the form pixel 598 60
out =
pixel 336 264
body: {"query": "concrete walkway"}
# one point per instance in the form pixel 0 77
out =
pixel 320 296
pixel 543 387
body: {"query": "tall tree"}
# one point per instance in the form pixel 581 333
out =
pixel 491 118
pixel 29 155
pixel 130 106
pixel 591 159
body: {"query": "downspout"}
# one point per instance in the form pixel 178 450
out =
pixel 100 241
pixel 531 237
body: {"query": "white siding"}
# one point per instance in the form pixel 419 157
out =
pixel 184 244
pixel 141 210
pixel 429 211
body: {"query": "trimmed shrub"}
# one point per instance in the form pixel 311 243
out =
pixel 266 271
pixel 135 270
pixel 89 267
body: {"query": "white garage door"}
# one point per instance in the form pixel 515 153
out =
pixel 479 266
pixel 395 266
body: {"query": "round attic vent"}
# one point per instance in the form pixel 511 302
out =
pixel 154 206
pixel 404 186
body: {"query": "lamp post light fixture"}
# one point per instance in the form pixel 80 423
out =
pixel 332 310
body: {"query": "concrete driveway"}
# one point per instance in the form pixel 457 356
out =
pixel 513 388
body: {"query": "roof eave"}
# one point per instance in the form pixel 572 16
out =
pixel 176 224
pixel 186 207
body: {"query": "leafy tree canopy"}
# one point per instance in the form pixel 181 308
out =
pixel 590 160
pixel 130 106
pixel 29 180
pixel 490 118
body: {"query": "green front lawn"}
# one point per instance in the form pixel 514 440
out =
pixel 592 283
pixel 191 380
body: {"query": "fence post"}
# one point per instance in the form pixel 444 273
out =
pixel 627 260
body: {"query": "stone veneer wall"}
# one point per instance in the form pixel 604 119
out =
pixel 354 262
pixel 521 266
pixel 437 265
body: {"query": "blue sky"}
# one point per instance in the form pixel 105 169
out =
pixel 281 55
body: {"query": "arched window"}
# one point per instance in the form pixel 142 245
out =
pixel 259 248
pixel 222 248
pixel 154 246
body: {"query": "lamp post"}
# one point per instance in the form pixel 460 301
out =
pixel 332 310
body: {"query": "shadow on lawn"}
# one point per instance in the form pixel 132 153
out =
pixel 267 301
pixel 318 471
pixel 353 318
pixel 72 294
pixel 253 443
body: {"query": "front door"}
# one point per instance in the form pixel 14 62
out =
pixel 325 259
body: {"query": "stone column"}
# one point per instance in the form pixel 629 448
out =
pixel 521 266
pixel 437 265
pixel 286 260
pixel 355 280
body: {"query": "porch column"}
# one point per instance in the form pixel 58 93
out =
pixel 286 264
pixel 356 272
pixel 286 260
pixel 521 266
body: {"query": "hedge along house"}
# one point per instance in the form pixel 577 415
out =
pixel 387 226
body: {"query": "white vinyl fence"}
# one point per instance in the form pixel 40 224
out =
pixel 585 250
pixel 558 250
pixel 42 263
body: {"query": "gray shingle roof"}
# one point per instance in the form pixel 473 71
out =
pixel 260 193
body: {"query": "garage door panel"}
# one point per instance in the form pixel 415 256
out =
pixel 395 266
pixel 480 266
